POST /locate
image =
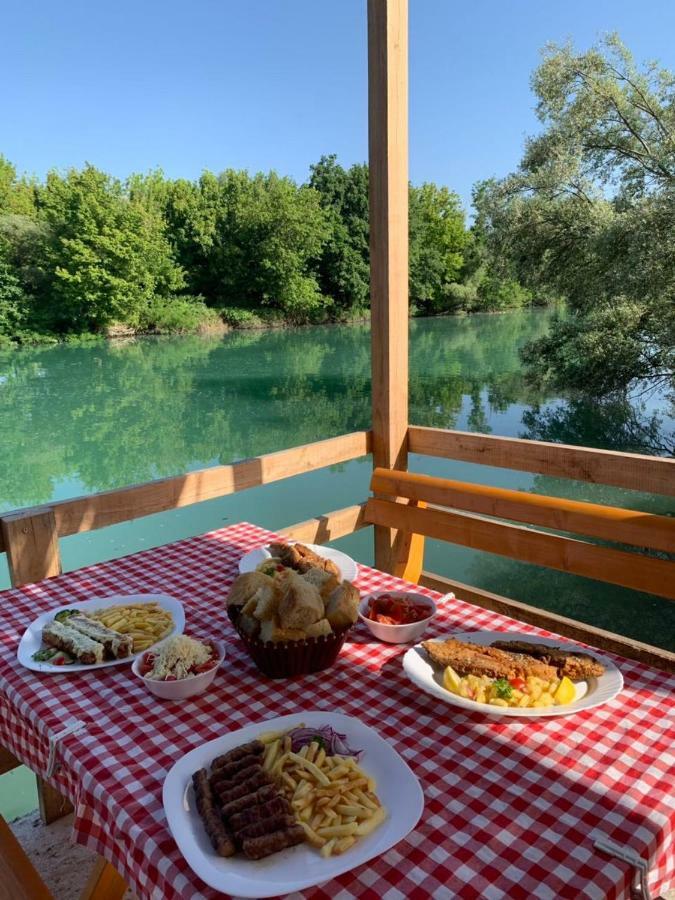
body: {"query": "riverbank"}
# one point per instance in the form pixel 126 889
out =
pixel 229 319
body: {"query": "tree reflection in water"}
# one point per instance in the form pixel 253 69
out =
pixel 77 419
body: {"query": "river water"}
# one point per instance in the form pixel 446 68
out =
pixel 78 419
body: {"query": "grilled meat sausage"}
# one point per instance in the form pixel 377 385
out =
pixel 251 815
pixel 221 840
pixel 262 795
pixel 259 847
pixel 265 826
pixel 255 747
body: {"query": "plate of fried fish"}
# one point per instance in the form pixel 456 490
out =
pixel 301 558
pixel 289 803
pixel 100 632
pixel 511 674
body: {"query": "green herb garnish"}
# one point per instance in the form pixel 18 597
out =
pixel 65 614
pixel 503 689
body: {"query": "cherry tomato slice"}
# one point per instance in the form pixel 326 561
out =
pixel 518 684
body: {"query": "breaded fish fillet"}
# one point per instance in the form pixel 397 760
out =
pixel 577 666
pixel 472 659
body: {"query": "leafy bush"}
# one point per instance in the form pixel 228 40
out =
pixel 177 315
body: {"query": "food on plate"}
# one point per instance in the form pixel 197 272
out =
pixel 332 798
pixel 284 789
pixel 512 673
pixel 278 603
pixel 241 807
pixel 115 644
pixel 178 658
pixel 79 646
pixel 221 840
pixel 301 558
pixel 524 693
pixel 54 657
pixel 144 623
pixel 576 666
pixel 473 659
pixel 394 609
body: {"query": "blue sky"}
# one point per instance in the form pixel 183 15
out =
pixel 262 84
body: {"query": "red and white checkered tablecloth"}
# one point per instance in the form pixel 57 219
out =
pixel 511 808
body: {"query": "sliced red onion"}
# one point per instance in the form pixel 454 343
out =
pixel 335 744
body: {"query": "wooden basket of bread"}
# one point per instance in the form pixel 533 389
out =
pixel 293 613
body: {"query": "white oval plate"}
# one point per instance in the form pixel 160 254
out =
pixel 31 641
pixel 298 867
pixel 422 672
pixel 349 570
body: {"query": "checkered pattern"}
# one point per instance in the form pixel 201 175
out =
pixel 512 807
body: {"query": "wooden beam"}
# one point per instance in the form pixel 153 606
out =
pixel 570 628
pixel 329 527
pixel 7 761
pixel 51 804
pixel 123 504
pixel 19 879
pixel 631 570
pixel 623 526
pixel 32 544
pixel 388 166
pixel 637 472
pixel 104 883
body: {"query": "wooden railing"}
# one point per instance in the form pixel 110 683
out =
pixel 473 515
pixel 30 536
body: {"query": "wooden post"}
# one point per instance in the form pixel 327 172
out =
pixel 32 544
pixel 388 162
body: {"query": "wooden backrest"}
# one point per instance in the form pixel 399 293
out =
pixel 470 514
pixel 19 879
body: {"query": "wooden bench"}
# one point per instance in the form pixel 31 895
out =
pixel 509 523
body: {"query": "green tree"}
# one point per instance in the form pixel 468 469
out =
pixel 261 242
pixel 108 255
pixel 437 240
pixel 590 217
pixel 344 264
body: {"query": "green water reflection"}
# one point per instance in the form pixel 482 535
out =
pixel 79 419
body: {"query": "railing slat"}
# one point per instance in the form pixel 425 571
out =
pixel 328 527
pixel 637 472
pixel 123 504
pixel 571 628
pixel 631 570
pixel 623 526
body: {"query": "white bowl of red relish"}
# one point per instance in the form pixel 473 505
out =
pixel 397 617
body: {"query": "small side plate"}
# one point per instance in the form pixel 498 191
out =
pixel 593 692
pixel 31 640
pixel 299 867
pixel 349 569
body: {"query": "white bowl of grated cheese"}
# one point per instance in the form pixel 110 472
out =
pixel 179 667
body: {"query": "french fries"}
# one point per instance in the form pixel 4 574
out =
pixel 332 798
pixel 145 623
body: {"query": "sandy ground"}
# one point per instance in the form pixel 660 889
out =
pixel 64 866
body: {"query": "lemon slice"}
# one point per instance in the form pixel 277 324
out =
pixel 451 680
pixel 566 691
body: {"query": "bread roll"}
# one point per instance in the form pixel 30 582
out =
pixel 342 607
pixel 319 629
pixel 245 587
pixel 324 582
pixel 300 605
pixel 270 631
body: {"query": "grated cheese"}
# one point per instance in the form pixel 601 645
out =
pixel 177 656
